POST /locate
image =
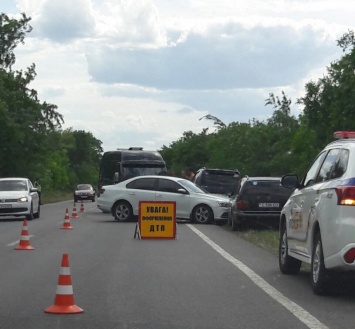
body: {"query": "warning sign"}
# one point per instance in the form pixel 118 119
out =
pixel 157 220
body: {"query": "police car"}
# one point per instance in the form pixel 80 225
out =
pixel 317 223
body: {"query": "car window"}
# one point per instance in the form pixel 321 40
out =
pixel 328 166
pixel 142 184
pixel 83 187
pixel 166 185
pixel 212 178
pixel 342 164
pixel 257 188
pixel 311 175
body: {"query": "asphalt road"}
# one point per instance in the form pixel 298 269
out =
pixel 207 278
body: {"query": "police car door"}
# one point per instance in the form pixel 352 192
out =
pixel 302 210
pixel 167 190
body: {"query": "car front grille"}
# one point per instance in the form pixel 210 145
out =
pixel 12 210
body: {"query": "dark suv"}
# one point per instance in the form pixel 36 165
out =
pixel 258 200
pixel 217 181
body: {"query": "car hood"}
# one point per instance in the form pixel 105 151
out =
pixel 214 197
pixel 12 194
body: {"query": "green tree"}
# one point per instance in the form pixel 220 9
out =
pixel 329 103
pixel 282 126
pixel 12 32
pixel 189 151
pixel 84 157
pixel 24 124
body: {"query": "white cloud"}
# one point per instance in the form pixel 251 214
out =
pixel 66 19
pixel 140 73
pixel 224 57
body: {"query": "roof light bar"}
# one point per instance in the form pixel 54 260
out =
pixel 344 134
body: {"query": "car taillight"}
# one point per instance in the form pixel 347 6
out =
pixel 349 257
pixel 346 195
pixel 242 204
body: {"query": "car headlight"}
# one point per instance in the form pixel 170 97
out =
pixel 23 199
pixel 225 204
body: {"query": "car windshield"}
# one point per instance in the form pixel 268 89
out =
pixel 190 186
pixel 219 182
pixel 13 185
pixel 84 187
pixel 129 172
pixel 262 187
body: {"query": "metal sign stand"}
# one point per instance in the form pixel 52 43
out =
pixel 137 232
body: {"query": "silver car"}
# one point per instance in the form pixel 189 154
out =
pixel 192 203
pixel 18 198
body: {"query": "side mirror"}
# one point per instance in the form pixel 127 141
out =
pixel 290 181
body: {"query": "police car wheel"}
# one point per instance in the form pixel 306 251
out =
pixel 319 274
pixel 287 264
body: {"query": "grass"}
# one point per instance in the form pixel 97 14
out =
pixel 56 196
pixel 266 239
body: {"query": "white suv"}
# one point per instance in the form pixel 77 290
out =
pixel 317 223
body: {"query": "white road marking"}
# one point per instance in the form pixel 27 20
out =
pixel 309 320
pixel 18 241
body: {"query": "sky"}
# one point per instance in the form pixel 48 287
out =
pixel 143 72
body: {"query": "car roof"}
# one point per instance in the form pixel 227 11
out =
pixel 13 178
pixel 350 142
pixel 173 178
pixel 232 171
pixel 266 178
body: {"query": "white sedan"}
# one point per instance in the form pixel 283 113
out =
pixel 192 203
pixel 18 197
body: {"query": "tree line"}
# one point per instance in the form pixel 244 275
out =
pixel 34 144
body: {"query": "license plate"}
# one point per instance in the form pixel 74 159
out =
pixel 5 206
pixel 268 205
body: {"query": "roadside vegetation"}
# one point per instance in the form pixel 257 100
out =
pixel 266 239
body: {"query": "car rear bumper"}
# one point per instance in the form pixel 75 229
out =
pixel 337 262
pixel 104 208
pixel 84 197
pixel 262 218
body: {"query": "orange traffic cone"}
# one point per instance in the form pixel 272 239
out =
pixel 74 213
pixel 82 209
pixel 64 298
pixel 25 239
pixel 66 224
